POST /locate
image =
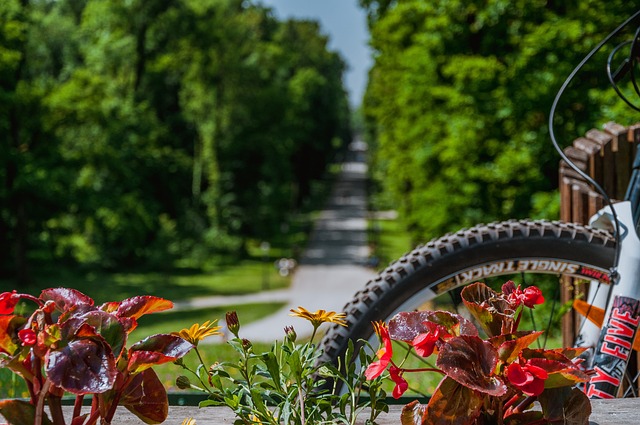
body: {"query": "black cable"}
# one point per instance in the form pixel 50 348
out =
pixel 614 273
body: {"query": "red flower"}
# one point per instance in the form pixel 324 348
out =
pixel 530 297
pixel 27 336
pixel 425 343
pixel 8 301
pixel 384 354
pixel 401 385
pixel 528 378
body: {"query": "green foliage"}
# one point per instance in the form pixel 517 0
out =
pixel 145 132
pixel 458 100
pixel 286 384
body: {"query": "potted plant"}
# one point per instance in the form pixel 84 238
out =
pixel 68 345
pixel 493 380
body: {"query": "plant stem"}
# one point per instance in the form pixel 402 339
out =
pixel 55 407
pixel 40 403
pixel 301 402
pixel 95 411
pixel 425 369
pixel 77 406
pixel 527 401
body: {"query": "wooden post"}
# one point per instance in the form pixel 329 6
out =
pixel 606 156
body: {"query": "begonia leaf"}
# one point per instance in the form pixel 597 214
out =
pixel 405 326
pixel 144 304
pixel 413 413
pixel 471 361
pixel 569 406
pixel 454 323
pixel 65 298
pixel 109 327
pixel 453 404
pixel 561 374
pixel 146 397
pixel 83 366
pixel 524 418
pixel 9 326
pixel 491 311
pixel 20 412
pixel 156 349
pixel 511 345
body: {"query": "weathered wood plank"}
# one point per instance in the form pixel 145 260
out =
pixel 623 411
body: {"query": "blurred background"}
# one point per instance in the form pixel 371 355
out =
pixel 181 147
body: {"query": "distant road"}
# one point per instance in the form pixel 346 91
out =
pixel 332 268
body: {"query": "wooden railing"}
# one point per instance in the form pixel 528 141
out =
pixel 606 156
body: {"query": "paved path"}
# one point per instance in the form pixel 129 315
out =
pixel 331 269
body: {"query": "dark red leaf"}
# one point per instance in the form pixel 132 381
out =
pixel 141 305
pixel 156 349
pixel 413 413
pixel 83 366
pixel 471 362
pixel 561 374
pixel 9 326
pixel 146 397
pixel 566 405
pixel 511 345
pixel 8 301
pixel 19 412
pixel 492 312
pixel 453 404
pixel 406 326
pixel 108 327
pixel 65 298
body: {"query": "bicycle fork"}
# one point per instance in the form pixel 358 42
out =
pixel 614 344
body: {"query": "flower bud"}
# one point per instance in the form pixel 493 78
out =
pixel 233 324
pixel 183 382
pixel 246 344
pixel 290 333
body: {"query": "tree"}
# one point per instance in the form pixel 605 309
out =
pixel 458 98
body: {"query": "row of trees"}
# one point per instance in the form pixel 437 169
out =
pixel 141 131
pixel 459 96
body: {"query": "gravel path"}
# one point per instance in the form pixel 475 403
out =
pixel 331 269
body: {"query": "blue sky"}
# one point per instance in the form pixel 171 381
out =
pixel 346 25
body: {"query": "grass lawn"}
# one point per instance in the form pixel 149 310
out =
pixel 390 239
pixel 243 277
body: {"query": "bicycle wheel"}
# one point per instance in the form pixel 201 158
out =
pixel 523 251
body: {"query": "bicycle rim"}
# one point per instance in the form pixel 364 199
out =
pixel 551 255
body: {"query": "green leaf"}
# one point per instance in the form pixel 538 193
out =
pixel 146 397
pixel 273 367
pixel 19 412
pixel 471 361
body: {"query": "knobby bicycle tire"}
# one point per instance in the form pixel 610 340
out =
pixel 468 256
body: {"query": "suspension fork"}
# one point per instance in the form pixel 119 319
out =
pixel 622 313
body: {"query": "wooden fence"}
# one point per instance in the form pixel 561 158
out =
pixel 606 156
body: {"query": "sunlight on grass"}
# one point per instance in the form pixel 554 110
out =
pixel 244 277
pixel 173 321
pixel 391 241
